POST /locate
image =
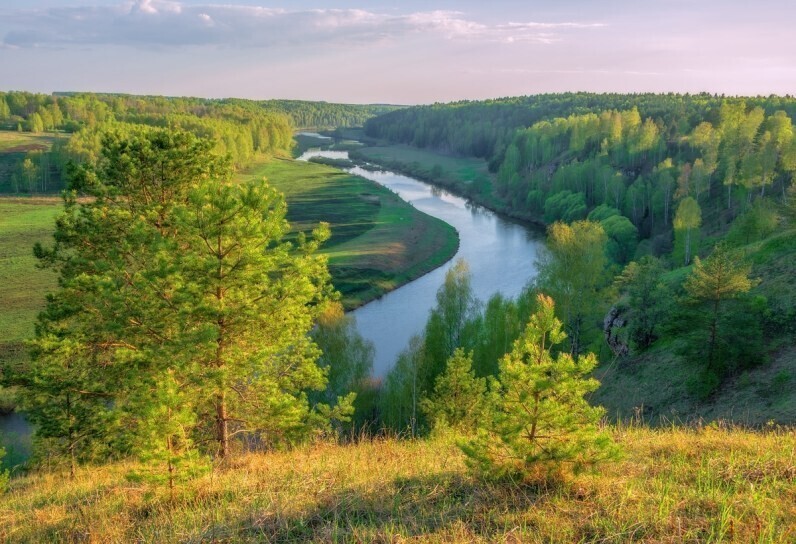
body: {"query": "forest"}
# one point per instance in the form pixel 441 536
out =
pixel 62 127
pixel 669 236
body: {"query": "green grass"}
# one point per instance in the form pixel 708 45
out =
pixel 707 484
pixel 442 169
pixel 23 222
pixel 21 142
pixel 378 242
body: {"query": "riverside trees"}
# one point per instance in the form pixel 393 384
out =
pixel 182 316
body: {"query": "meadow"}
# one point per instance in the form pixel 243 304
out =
pixel 378 242
pixel 23 222
pixel 705 484
pixel 443 169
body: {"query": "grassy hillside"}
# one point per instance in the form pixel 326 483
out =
pixel 655 383
pixel 673 485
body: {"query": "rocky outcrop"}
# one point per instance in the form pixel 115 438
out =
pixel 613 328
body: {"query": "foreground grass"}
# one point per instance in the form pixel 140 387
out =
pixel 674 485
pixel 378 243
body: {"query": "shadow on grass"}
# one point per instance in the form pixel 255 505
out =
pixel 444 504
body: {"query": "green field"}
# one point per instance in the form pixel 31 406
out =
pixel 463 172
pixel 21 142
pixel 23 222
pixel 378 241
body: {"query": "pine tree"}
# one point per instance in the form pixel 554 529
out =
pixel 539 420
pixel 252 299
pixel 717 279
pixel 182 317
pixel 457 401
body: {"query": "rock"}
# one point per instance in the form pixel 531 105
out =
pixel 613 324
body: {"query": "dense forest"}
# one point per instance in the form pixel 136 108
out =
pixel 670 233
pixel 66 126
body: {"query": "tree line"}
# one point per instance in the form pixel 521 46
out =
pixel 238 128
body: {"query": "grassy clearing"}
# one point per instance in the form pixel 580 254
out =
pixel 674 485
pixel 22 142
pixel 378 241
pixel 23 222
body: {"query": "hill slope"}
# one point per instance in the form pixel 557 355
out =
pixel 705 485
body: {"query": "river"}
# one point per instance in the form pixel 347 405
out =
pixel 500 253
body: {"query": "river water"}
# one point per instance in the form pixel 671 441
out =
pixel 500 253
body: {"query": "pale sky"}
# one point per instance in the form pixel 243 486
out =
pixel 397 52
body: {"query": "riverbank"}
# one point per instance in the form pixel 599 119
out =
pixel 673 485
pixel 379 242
pixel 465 176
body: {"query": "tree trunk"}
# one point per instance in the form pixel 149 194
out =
pixel 222 426
pixel 713 328
pixel 687 246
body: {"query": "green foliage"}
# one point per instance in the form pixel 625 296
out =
pixel 647 298
pixel 182 321
pixel 602 212
pixel 346 357
pixel 687 221
pixel 164 423
pixel 565 206
pixel 457 401
pixel 444 331
pixel 758 222
pixel 4 476
pixel 572 269
pixel 401 393
pixel 539 421
pixel 492 333
pixel 712 327
pixel 622 238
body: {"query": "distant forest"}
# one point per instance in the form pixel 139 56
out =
pixel 64 127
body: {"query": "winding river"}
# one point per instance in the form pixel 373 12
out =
pixel 500 253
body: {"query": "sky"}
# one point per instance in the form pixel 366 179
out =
pixel 407 52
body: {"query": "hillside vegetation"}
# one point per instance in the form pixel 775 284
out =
pixel 663 180
pixel 673 485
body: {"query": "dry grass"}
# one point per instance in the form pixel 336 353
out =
pixel 675 485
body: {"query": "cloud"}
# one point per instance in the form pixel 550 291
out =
pixel 164 23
